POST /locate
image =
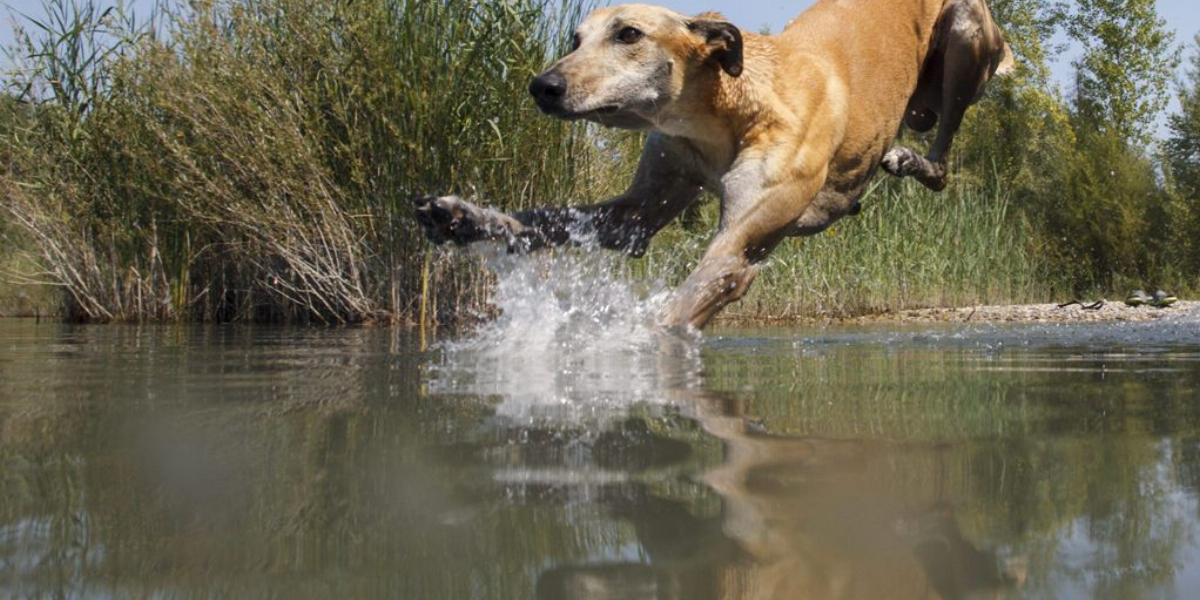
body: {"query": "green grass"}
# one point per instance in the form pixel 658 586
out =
pixel 909 248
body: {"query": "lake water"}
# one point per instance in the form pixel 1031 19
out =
pixel 952 462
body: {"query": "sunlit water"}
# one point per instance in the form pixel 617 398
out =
pixel 569 450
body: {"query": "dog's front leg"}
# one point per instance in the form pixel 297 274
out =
pixel 717 281
pixel 668 179
pixel 757 217
pixel 452 219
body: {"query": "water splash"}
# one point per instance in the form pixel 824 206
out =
pixel 576 337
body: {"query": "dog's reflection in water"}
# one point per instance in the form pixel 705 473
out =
pixel 799 518
pixel 777 517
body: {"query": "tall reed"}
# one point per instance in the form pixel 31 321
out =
pixel 255 160
pixel 909 248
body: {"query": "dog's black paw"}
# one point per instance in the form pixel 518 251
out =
pixel 448 219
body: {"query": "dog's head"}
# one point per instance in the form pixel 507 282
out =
pixel 631 62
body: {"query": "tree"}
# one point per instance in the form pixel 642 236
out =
pixel 1128 60
pixel 1182 157
pixel 1183 144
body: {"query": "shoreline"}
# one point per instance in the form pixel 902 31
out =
pixel 1111 311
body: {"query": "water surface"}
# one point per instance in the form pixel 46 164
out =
pixel 1029 461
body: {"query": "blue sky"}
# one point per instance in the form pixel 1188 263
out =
pixel 1181 15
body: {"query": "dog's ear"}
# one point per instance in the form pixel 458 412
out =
pixel 724 42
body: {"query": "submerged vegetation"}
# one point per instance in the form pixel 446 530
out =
pixel 254 160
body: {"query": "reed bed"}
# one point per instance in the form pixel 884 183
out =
pixel 909 248
pixel 255 160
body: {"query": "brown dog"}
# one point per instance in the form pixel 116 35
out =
pixel 790 128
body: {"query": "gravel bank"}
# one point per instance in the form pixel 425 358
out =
pixel 1037 313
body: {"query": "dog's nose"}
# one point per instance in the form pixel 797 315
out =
pixel 548 89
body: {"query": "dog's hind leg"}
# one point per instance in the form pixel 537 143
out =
pixel 971 42
pixel 921 115
pixel 968 51
pixel 930 170
pixel 903 161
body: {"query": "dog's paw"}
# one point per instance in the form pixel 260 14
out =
pixel 905 162
pixel 900 161
pixel 449 219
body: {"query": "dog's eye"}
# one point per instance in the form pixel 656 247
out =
pixel 575 41
pixel 630 35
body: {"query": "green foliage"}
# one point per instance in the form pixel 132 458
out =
pixel 71 48
pixel 1128 60
pixel 1101 213
pixel 1183 145
pixel 1093 196
pixel 1182 156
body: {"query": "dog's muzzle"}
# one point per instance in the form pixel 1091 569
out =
pixel 548 90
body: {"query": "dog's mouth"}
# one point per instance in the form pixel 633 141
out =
pixel 610 109
pixel 610 115
pixel 576 115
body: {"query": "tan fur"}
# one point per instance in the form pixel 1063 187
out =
pixel 790 134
